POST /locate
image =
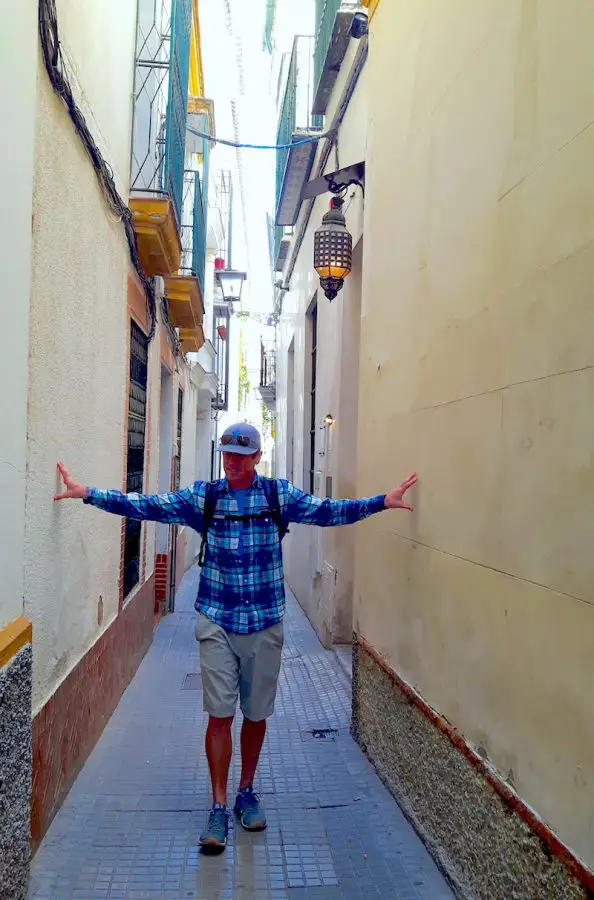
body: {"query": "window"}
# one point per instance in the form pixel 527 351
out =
pixel 313 318
pixel 135 461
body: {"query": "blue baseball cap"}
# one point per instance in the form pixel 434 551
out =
pixel 243 439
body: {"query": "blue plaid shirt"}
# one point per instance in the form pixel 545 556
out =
pixel 241 592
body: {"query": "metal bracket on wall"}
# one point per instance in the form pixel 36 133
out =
pixel 335 182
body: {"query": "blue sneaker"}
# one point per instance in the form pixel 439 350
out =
pixel 214 838
pixel 248 810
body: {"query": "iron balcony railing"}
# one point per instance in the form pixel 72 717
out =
pixel 295 115
pixel 326 11
pixel 220 340
pixel 278 237
pixel 193 229
pixel 333 33
pixel 177 105
pixel 268 375
pixel 199 121
pixel 286 123
pixel 161 99
pixel 223 201
pixel 199 243
pixel 269 24
pixel 267 366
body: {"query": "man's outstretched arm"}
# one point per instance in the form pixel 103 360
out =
pixel 176 508
pixel 311 510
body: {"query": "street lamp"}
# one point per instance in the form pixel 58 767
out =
pixel 333 249
pixel 231 283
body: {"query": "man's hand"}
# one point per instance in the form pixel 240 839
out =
pixel 394 498
pixel 73 490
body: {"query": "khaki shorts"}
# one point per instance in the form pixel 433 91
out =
pixel 239 665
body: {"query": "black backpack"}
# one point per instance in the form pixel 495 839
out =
pixel 270 488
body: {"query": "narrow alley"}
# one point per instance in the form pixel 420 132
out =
pixel 129 826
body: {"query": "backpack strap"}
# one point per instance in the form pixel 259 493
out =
pixel 270 488
pixel 210 506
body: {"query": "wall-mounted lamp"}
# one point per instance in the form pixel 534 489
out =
pixel 327 423
pixel 231 283
pixel 333 249
pixel 359 25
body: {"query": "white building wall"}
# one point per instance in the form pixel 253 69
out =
pixel 17 106
pixel 78 362
pixel 325 591
pixel 98 41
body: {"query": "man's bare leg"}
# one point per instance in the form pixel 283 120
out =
pixel 218 753
pixel 247 804
pixel 252 739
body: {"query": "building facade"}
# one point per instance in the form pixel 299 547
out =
pixel 460 347
pixel 110 264
pixel 316 363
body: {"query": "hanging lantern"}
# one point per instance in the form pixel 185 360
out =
pixel 333 250
pixel 231 283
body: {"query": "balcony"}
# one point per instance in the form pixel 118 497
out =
pixel 269 25
pixel 161 82
pixel 268 376
pixel 220 339
pixel 282 242
pixel 333 33
pixel 200 121
pixel 185 291
pixel 294 165
pixel 157 235
pixel 220 202
pixel 193 229
pixel 186 311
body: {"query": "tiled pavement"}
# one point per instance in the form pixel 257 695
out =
pixel 128 829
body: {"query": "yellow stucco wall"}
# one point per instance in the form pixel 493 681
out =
pixel 477 369
pixel 306 547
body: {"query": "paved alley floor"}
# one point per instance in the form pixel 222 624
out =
pixel 129 827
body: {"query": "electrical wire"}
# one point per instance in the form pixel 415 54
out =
pixel 54 64
pixel 209 137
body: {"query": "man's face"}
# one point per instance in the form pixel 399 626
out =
pixel 239 468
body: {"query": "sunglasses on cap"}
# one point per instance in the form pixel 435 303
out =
pixel 241 440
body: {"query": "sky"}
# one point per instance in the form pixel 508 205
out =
pixel 237 72
pixel 237 77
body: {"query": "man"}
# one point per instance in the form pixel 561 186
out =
pixel 241 599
